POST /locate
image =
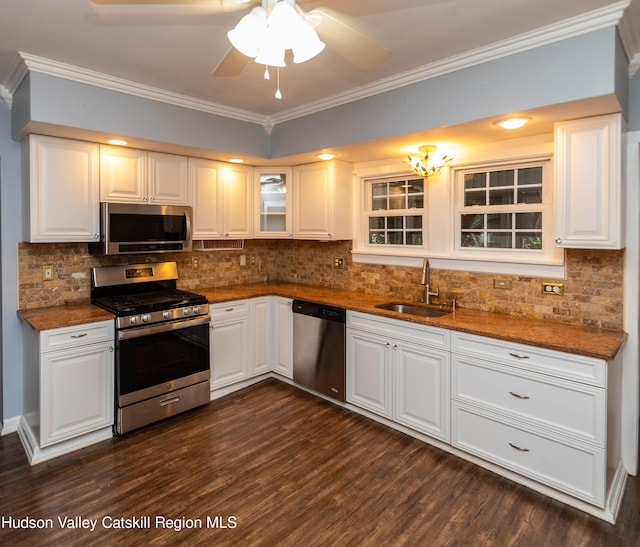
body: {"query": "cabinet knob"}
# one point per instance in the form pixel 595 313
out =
pixel 388 345
pixel 96 236
pixel 558 240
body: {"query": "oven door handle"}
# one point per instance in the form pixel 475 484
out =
pixel 137 332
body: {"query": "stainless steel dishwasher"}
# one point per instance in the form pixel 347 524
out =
pixel 319 348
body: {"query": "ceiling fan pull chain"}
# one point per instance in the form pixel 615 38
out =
pixel 278 94
pixel 266 73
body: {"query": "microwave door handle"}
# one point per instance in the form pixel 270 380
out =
pixel 137 332
pixel 188 220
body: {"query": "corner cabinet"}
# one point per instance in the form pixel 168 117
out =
pixel 272 199
pixel 128 175
pixel 62 176
pixel 589 183
pixel 322 201
pixel 69 379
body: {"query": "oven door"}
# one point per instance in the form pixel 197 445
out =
pixel 157 359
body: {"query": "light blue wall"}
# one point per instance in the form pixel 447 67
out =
pixel 576 68
pixel 10 223
pixel 634 103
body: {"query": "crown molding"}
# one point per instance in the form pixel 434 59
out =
pixel 589 22
pixel 629 28
pixel 569 28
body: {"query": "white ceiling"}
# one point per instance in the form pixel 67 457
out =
pixel 176 46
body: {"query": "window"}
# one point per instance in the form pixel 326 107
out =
pixel 395 209
pixel 502 208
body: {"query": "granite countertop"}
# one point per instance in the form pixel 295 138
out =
pixel 587 341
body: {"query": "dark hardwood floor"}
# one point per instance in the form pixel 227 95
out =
pixel 278 466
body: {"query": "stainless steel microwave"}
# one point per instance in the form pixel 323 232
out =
pixel 132 228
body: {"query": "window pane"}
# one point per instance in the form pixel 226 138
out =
pixel 376 223
pixel 379 204
pixel 415 202
pixel 529 221
pixel 414 222
pixel 472 239
pixel 397 202
pixel 501 178
pixel 395 223
pixel 416 186
pixel 414 238
pixel 531 240
pixel 397 188
pixel 499 221
pixel 475 198
pixel 499 240
pixel 501 197
pixel 530 195
pixel 376 238
pixel 395 238
pixel 530 175
pixel 475 180
pixel 379 189
pixel 473 222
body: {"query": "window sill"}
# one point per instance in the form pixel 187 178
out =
pixel 554 270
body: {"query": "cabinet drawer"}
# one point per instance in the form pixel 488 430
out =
pixel 229 309
pixel 66 337
pixel 556 363
pixel 576 470
pixel 395 328
pixel 570 408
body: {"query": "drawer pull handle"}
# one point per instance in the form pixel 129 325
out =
pixel 519 356
pixel 518 448
pixel 170 401
pixel 229 309
pixel 523 397
pixel 79 335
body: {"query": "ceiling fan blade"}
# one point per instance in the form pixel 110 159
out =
pixel 219 6
pixel 232 64
pixel 355 47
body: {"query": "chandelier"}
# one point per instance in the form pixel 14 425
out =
pixel 424 166
pixel 266 32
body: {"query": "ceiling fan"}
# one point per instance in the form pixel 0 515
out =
pixel 352 45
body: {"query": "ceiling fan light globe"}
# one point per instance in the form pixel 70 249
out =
pixel 305 43
pixel 271 55
pixel 249 33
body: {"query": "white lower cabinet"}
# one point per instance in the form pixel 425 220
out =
pixel 74 369
pixel 393 372
pixel 229 334
pixel 539 413
pixel 260 326
pixel 282 336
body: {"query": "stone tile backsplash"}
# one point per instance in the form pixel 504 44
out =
pixel 593 289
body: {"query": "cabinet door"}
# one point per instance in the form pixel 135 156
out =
pixel 122 175
pixel 588 183
pixel 368 372
pixel 422 389
pixel 229 351
pixel 206 188
pixel 167 176
pixel 238 202
pixel 76 392
pixel 272 198
pixel 283 336
pixel 63 178
pixel 312 201
pixel 260 336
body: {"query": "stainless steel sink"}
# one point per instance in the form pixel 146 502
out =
pixel 414 309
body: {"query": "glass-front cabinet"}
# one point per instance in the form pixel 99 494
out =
pixel 273 199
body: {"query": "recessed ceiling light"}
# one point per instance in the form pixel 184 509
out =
pixel 236 160
pixel 326 156
pixel 515 122
pixel 117 142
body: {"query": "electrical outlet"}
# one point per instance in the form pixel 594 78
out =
pixel 338 262
pixel 553 288
pixel 195 263
pixel 47 273
pixel 243 260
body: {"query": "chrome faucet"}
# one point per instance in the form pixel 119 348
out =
pixel 425 281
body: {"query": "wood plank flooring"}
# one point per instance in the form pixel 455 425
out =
pixel 279 466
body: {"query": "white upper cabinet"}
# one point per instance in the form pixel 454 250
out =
pixel 272 199
pixel 135 176
pixel 222 200
pixel 322 198
pixel 62 177
pixel 588 183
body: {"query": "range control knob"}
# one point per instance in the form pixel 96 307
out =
pixel 196 309
pixel 133 320
pixel 166 314
pixel 145 317
pixel 186 311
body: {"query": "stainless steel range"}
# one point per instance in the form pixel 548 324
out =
pixel 162 342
